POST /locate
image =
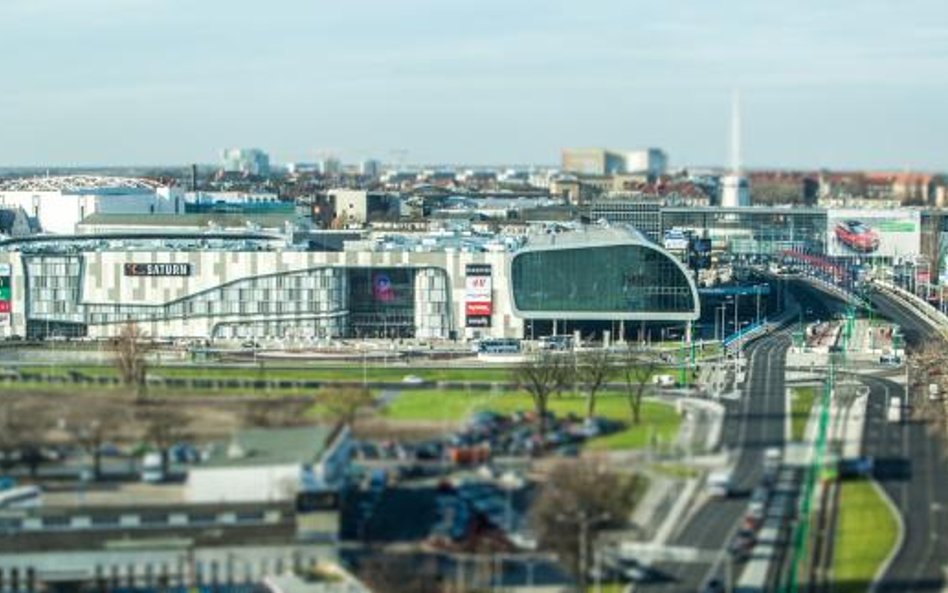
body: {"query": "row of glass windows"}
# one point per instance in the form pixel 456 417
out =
pixel 322 328
pixel 622 279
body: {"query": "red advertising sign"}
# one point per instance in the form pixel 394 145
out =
pixel 5 307
pixel 477 308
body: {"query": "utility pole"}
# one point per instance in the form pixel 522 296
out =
pixel 758 304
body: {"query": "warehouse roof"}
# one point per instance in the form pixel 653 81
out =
pixel 273 446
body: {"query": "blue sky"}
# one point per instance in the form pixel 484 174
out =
pixel 842 84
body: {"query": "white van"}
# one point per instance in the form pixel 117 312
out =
pixel 152 470
pixel 895 410
pixel 663 381
pixel 719 483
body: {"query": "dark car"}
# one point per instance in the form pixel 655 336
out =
pixel 857 235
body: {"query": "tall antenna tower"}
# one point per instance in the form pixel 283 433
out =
pixel 735 132
pixel 735 187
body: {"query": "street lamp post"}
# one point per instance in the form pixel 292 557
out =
pixel 719 323
pixel 737 299
pixel 758 303
pixel 585 522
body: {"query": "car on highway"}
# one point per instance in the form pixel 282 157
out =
pixel 743 543
pixel 719 484
pixel 895 410
pixel 857 236
pixel 773 457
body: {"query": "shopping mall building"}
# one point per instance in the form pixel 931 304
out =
pixel 239 287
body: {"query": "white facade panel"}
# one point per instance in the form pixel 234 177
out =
pixel 242 484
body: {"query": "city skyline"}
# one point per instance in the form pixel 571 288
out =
pixel 141 82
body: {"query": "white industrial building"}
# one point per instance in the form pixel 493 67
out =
pixel 271 465
pixel 60 203
pixel 650 162
pixel 735 191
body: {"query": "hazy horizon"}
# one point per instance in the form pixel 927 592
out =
pixel 101 83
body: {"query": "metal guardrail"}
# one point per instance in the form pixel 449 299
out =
pixel 935 318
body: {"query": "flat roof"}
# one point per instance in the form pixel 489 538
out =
pixel 586 235
pixel 203 219
pixel 272 446
pixel 78 183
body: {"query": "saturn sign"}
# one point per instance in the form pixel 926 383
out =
pixel 157 270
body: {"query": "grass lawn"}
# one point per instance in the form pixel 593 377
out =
pixel 865 534
pixel 658 419
pixel 801 402
pixel 607 588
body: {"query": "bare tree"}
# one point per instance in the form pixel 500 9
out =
pixel 541 376
pixel 577 502
pixel 22 424
pixel 93 424
pixel 130 349
pixel 929 365
pixel 164 425
pixel 593 370
pixel 343 404
pixel 638 366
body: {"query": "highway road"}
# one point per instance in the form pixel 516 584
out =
pixel 753 423
pixel 911 467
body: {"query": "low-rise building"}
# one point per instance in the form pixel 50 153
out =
pixel 269 465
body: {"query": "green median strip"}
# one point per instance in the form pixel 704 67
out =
pixel 866 531
pixel 801 403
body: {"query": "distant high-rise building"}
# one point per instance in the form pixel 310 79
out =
pixel 592 161
pixel 370 168
pixel 330 166
pixel 249 161
pixel 650 162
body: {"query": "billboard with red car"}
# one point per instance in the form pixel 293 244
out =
pixel 873 233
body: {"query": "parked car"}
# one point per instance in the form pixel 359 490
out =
pixel 412 380
pixel 153 470
pixel 891 359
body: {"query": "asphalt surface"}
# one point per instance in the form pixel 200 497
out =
pixel 752 424
pixel 911 467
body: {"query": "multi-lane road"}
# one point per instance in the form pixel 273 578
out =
pixel 753 423
pixel 912 469
pixel 910 464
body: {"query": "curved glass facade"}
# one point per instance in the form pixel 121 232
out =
pixel 614 281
